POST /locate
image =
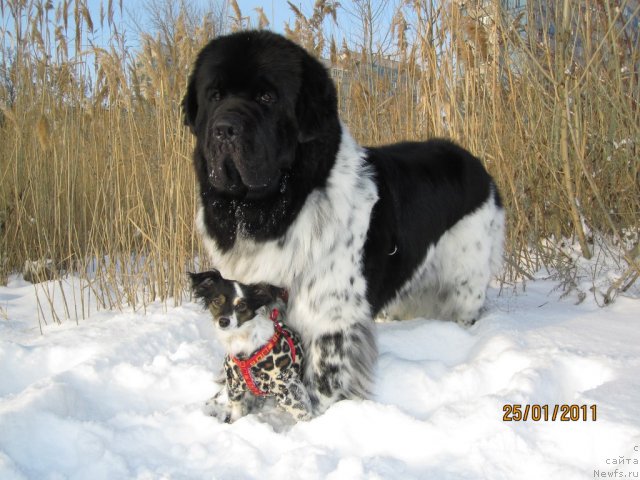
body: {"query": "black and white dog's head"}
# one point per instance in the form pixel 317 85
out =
pixel 240 311
pixel 252 100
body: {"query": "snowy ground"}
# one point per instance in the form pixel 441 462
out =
pixel 120 394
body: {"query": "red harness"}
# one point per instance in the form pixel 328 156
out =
pixel 245 365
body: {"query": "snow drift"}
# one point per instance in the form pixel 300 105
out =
pixel 120 395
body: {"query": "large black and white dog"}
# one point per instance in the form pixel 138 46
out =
pixel 289 198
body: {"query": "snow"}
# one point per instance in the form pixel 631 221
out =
pixel 120 395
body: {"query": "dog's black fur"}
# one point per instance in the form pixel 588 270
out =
pixel 301 121
pixel 420 186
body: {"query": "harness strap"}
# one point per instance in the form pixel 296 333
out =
pixel 274 318
pixel 245 365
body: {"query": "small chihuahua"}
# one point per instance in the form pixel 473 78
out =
pixel 264 357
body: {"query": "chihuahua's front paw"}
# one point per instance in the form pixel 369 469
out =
pixel 221 407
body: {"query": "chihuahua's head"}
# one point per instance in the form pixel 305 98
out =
pixel 233 304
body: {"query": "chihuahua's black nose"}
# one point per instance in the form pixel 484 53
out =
pixel 224 322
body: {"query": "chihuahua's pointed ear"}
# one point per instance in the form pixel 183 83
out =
pixel 190 103
pixel 268 293
pixel 202 278
pixel 281 293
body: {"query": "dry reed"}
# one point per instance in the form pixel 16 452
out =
pixel 95 162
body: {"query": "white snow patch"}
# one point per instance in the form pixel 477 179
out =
pixel 120 396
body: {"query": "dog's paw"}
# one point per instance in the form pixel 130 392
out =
pixel 303 415
pixel 223 409
pixel 219 406
pixel 222 412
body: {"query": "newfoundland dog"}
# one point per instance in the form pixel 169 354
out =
pixel 287 197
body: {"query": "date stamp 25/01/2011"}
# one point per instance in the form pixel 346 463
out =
pixel 549 413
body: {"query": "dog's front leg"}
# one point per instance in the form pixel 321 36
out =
pixel 225 407
pixel 338 332
pixel 340 364
pixel 231 402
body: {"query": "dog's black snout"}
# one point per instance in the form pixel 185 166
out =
pixel 224 322
pixel 227 129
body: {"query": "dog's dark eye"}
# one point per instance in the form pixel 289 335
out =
pixel 218 301
pixel 241 307
pixel 266 98
pixel 214 95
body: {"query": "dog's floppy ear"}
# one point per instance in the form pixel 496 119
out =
pixel 317 102
pixel 190 103
pixel 269 293
pixel 202 282
pixel 281 293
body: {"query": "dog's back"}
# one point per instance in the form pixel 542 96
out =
pixel 436 232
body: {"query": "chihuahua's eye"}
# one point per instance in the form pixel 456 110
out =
pixel 241 307
pixel 218 301
pixel 266 98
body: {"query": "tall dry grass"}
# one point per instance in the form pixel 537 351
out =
pixel 96 172
pixel 95 163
